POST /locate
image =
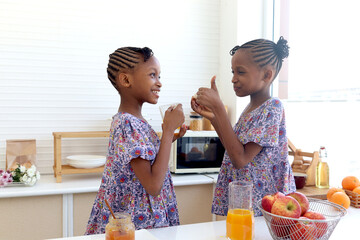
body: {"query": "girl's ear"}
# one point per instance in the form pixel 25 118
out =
pixel 123 80
pixel 268 75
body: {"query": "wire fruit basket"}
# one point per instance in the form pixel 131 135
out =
pixel 282 228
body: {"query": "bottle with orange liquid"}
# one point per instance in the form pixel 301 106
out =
pixel 120 228
pixel 240 216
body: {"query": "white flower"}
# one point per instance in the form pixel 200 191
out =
pixel 28 181
pixel 37 175
pixel 24 178
pixel 33 168
pixel 31 171
pixel 33 180
pixel 22 168
pixel 13 173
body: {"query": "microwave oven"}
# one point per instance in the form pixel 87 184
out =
pixel 196 152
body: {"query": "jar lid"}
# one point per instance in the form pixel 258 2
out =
pixel 194 116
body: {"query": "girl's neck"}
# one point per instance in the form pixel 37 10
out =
pixel 255 102
pixel 133 109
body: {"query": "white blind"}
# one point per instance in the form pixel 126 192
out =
pixel 54 54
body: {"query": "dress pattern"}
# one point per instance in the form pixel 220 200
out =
pixel 130 138
pixel 270 170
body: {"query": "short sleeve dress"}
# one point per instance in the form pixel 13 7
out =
pixel 270 170
pixel 130 138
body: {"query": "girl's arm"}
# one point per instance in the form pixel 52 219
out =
pixel 152 176
pixel 208 98
pixel 240 155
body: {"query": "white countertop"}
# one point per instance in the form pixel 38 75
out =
pixel 346 229
pixel 84 183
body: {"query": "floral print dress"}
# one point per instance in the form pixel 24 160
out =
pixel 130 138
pixel 270 170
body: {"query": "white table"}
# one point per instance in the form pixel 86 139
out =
pixel 346 229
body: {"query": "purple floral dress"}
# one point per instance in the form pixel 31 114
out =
pixel 270 170
pixel 130 138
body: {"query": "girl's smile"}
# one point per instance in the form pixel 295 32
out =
pixel 156 93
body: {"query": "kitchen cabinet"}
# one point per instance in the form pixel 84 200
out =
pixel 54 210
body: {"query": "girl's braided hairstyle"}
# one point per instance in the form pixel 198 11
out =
pixel 265 52
pixel 124 59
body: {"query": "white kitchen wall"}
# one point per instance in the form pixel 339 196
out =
pixel 53 59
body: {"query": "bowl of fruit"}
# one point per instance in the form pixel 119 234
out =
pixel 295 216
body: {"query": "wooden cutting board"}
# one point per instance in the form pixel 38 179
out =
pixel 314 192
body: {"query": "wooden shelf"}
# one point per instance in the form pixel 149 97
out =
pixel 302 165
pixel 59 168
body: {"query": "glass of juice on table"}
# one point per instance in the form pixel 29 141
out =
pixel 240 216
pixel 120 228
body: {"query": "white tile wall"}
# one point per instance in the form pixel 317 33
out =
pixel 54 54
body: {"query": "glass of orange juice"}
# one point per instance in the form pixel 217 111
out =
pixel 240 216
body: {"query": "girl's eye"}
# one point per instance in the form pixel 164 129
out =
pixel 152 74
pixel 237 72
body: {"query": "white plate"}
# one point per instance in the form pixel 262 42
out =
pixel 86 158
pixel 86 161
pixel 85 164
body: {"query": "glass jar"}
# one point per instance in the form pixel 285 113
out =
pixel 196 122
pixel 121 228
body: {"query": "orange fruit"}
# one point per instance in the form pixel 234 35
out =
pixel 341 198
pixel 333 190
pixel 350 182
pixel 357 190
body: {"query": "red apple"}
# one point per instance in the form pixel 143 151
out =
pixel 286 206
pixel 303 230
pixel 281 226
pixel 320 226
pixel 268 200
pixel 279 195
pixel 302 200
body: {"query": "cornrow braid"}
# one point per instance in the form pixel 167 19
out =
pixel 266 52
pixel 126 58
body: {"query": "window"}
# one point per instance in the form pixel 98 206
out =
pixel 319 82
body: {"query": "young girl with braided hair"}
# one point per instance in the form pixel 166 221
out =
pixel 136 177
pixel 256 147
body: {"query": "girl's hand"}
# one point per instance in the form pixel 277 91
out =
pixel 202 110
pixel 174 118
pixel 207 100
pixel 181 133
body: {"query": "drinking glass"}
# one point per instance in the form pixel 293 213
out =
pixel 240 216
pixel 163 109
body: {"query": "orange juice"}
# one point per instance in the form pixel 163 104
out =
pixel 120 228
pixel 118 235
pixel 240 224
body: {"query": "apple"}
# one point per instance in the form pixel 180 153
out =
pixel 281 226
pixel 302 200
pixel 320 226
pixel 303 229
pixel 279 195
pixel 268 200
pixel 287 207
